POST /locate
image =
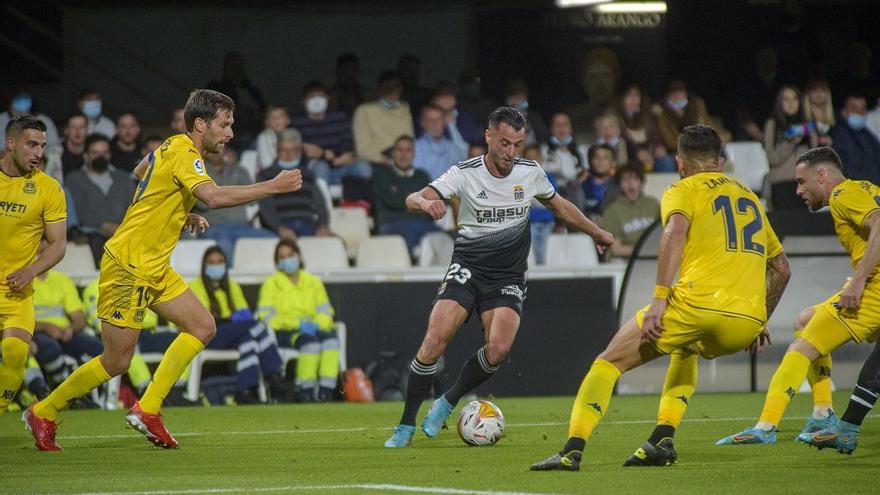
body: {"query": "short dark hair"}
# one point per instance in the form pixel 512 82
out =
pixel 443 88
pixel 823 155
pixel 75 115
pixel 95 137
pixel 313 85
pixel 292 244
pixel 204 104
pixel 629 168
pixel 87 92
pixel 18 124
pixel 591 153
pixel 699 141
pixel 403 137
pixel 388 75
pixel 507 115
pixel 128 112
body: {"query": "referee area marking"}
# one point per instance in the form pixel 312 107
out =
pixel 355 486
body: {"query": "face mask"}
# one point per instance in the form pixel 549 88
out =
pixel 610 142
pixel 316 104
pixel 677 105
pixel 522 106
pixel 390 105
pixel 565 142
pixel 92 109
pixel 288 165
pixel 215 272
pixel 22 104
pixel 289 265
pixel 100 164
pixel 857 122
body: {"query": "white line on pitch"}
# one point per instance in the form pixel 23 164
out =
pixel 359 486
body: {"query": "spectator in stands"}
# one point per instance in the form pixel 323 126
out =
pixel 755 95
pixel 638 127
pixel 471 99
pixel 409 67
pixel 126 145
pixel 22 103
pixel 238 329
pixel 151 143
pixel 516 95
pixel 74 143
pixel 348 93
pixel 91 105
pixel 294 304
pixel 595 188
pixel 680 110
pixel 100 192
pixel 435 152
pixel 859 150
pixel 303 212
pixel 377 124
pixel 857 77
pixel 819 110
pixel 391 185
pixel 632 213
pixel 562 156
pixel 541 218
pixel 600 73
pixel 277 120
pixel 178 124
pixel 476 150
pixel 249 103
pixel 461 126
pixel 873 121
pixel 228 224
pixel 327 138
pixel 608 132
pixel 786 136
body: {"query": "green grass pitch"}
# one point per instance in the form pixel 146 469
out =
pixel 337 449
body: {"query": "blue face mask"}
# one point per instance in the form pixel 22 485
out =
pixel 521 106
pixel 288 165
pixel 390 105
pixel 289 265
pixel 215 272
pixel 565 142
pixel 856 122
pixel 678 105
pixel 92 109
pixel 22 104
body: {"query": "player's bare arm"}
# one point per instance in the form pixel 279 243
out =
pixel 778 274
pixel 427 201
pixel 222 197
pixel 668 261
pixel 141 168
pixel 851 296
pixel 566 211
pixel 56 235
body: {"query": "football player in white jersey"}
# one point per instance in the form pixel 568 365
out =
pixel 487 273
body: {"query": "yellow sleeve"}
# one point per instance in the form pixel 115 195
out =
pixel 90 305
pixel 238 300
pixel 676 200
pixel 200 292
pixel 323 310
pixel 72 302
pixel 56 205
pixel 189 171
pixel 853 204
pixel 266 302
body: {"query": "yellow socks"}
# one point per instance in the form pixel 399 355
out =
pixel 592 399
pixel 783 386
pixel 681 381
pixel 819 376
pixel 79 383
pixel 15 355
pixel 174 362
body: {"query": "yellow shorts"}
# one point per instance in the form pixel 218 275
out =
pixel 17 311
pixel 710 333
pixel 831 327
pixel 123 297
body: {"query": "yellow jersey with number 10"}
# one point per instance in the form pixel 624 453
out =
pixel 724 262
pixel 143 243
pixel 851 202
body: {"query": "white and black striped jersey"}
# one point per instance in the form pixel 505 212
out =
pixel 493 220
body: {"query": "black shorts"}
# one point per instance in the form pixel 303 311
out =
pixel 475 290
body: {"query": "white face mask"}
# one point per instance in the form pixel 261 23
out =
pixel 316 104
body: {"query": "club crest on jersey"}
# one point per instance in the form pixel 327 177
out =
pixel 199 166
pixel 139 315
pixel 30 187
pixel 518 193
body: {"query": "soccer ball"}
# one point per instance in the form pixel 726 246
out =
pixel 480 423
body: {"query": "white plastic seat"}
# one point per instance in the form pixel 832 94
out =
pixel 187 256
pixel 352 225
pixel 77 259
pixel 255 254
pixel 248 161
pixel 323 253
pixel 750 165
pixel 656 183
pixel 435 249
pixel 571 250
pixel 383 251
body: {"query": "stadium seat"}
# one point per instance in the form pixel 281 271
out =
pixel 255 254
pixel 77 259
pixel 352 224
pixel 323 253
pixel 571 250
pixel 187 256
pixel 383 251
pixel 435 249
pixel 750 164
pixel 248 161
pixel 656 183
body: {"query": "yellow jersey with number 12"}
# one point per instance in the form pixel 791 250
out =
pixel 724 262
pixel 144 241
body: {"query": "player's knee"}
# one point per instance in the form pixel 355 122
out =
pixel 800 322
pixel 805 348
pixel 15 352
pixel 496 352
pixel 116 363
pixel 432 348
pixel 204 329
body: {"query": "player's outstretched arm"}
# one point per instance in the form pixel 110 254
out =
pixel 222 197
pixel 852 294
pixel 56 236
pixel 427 201
pixel 566 211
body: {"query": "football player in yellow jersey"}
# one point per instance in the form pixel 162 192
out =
pixel 31 206
pixel 716 231
pixel 136 274
pixel 851 314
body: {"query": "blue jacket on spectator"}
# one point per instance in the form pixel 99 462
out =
pixel 859 151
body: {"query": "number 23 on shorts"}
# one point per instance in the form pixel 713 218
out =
pixel 458 273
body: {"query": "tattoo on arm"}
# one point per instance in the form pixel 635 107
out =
pixel 778 273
